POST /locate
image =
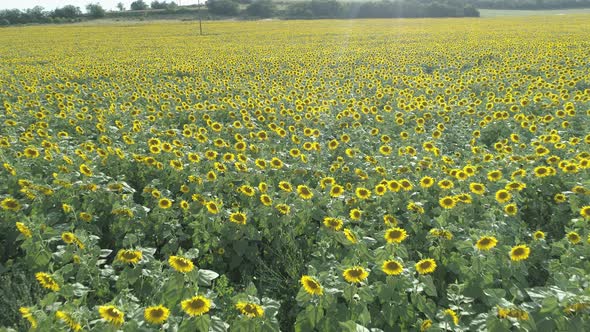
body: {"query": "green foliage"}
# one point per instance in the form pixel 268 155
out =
pixel 261 8
pixel 95 10
pixel 223 7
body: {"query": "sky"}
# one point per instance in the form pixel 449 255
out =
pixel 52 4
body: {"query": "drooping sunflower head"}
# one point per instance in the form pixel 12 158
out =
pixel 304 192
pixel 68 237
pixel 129 256
pixel 181 264
pixel 311 285
pixel 47 281
pixel 10 204
pixel 250 309
pixel 333 223
pixel 111 314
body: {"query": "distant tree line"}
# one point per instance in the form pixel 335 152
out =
pixel 314 9
pixel 530 4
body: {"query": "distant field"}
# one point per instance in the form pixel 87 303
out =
pixel 508 12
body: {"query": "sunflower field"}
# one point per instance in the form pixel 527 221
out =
pixel 361 175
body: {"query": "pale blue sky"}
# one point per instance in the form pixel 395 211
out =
pixel 52 4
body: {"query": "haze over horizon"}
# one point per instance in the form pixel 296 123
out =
pixel 52 4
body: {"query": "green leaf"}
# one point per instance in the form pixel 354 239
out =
pixel 202 323
pixel 206 276
pixel 218 325
pixel 351 326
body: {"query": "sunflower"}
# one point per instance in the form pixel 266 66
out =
pixel 426 182
pixel 68 320
pixel 181 264
pixel 250 309
pixel 503 196
pixel 24 230
pixel 559 198
pixel 265 200
pixel 196 306
pixel 573 237
pixel 333 223
pixel 311 285
pixel 304 192
pixel 363 193
pixel 68 237
pixel 380 190
pixel 285 186
pixel 542 171
pixel 165 203
pixel 276 163
pixel 10 204
pixel 247 190
pixel 394 186
pixel 447 202
pixel 156 315
pixel 238 218
pixel 539 235
pixel 350 236
pixel 392 267
pixel 426 266
pixel 84 169
pixel 395 235
pixel 511 209
pixel 47 281
pixel 28 315
pixel 486 243
pixel 477 188
pixel 356 214
pixel 406 185
pixel 283 208
pixel 494 175
pixel 111 314
pixel 212 207
pixel 425 325
pixel 519 314
pixel 451 313
pixel 336 190
pixel 519 253
pixel 355 274
pixel 129 256
pixel 585 212
pixel 445 184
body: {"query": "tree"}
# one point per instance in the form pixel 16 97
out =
pixel 121 6
pixel 261 8
pixel 68 11
pixel 158 5
pixel 139 5
pixel 95 10
pixel 299 10
pixel 326 8
pixel 223 7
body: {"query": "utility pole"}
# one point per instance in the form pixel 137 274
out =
pixel 200 20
